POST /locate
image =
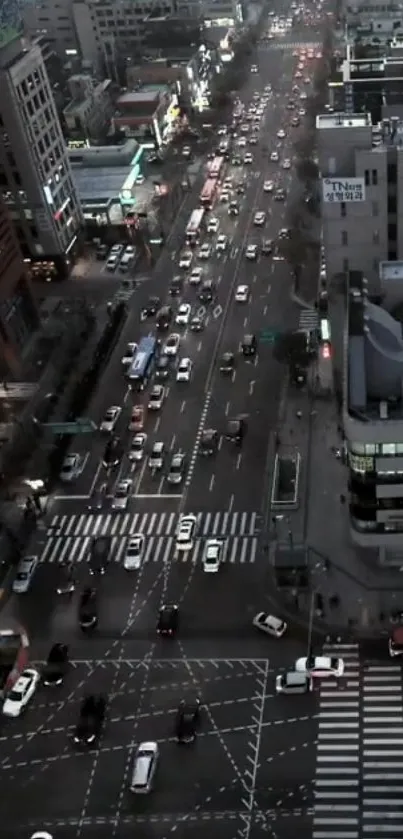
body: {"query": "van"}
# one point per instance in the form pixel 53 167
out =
pixel 293 682
pixel 164 317
pixel 125 263
pixel 144 767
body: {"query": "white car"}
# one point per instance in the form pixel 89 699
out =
pixel 301 112
pixel 221 243
pixel 184 371
pixel 130 352
pixel 269 624
pixel 122 495
pixel 242 294
pixel 213 556
pixel 303 95
pixel 196 276
pixel 274 157
pixel 205 251
pixel 248 158
pixel 183 314
pixel 259 219
pixel 72 467
pixel 134 552
pixel 224 196
pixel 286 163
pixel 21 693
pixel 171 345
pixel 268 186
pixel 110 419
pixel 186 532
pixel 185 259
pixel 251 252
pixel 25 571
pixel 241 143
pixel 213 225
pixel 156 398
pixel 137 447
pixel 320 667
pixel 254 69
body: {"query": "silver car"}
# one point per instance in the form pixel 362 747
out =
pixel 25 571
pixel 122 495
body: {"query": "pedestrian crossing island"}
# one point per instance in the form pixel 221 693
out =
pixel 68 538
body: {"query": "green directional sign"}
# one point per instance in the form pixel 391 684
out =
pixel 82 425
pixel 268 336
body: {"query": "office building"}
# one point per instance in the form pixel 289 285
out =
pixel 35 174
pixel 371 84
pixel 362 205
pixel 88 114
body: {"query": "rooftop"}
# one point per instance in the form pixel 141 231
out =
pixel 101 184
pixel 342 120
pixel 139 98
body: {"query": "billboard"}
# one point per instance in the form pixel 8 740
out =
pixel 343 190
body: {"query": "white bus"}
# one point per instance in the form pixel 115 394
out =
pixel 194 227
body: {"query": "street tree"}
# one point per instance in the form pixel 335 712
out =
pixel 291 348
pixel 307 170
pixel 304 145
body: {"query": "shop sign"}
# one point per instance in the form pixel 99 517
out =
pixel 343 190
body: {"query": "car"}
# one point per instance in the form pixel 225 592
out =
pixel 222 130
pixel 157 456
pixel 20 694
pixel 302 112
pixel 205 251
pixel 267 247
pixel 233 208
pixel 197 323
pixel 236 160
pixel 248 157
pixel 91 720
pixel 241 142
pixel 259 218
pixel 235 430
pixel 227 363
pixel 100 549
pixel 110 419
pixel 274 157
pixel 122 494
pixel 137 447
pixel 213 225
pixel 280 194
pixel 320 667
pixel 130 250
pixel 187 721
pixel 164 318
pixel 183 314
pixel 25 571
pixel 176 472
pixel 286 163
pixel 112 262
pixel 186 532
pixel 162 368
pixel 213 556
pixel 72 467
pixel 284 233
pixel 184 370
pixel 298 75
pixel 221 243
pixel 295 122
pixel 196 276
pixel 268 186
pixel 254 69
pixel 172 344
pixel 156 398
pixel 244 128
pixel 41 834
pixel 242 294
pixel 88 608
pixel 281 134
pixel 209 442
pixel 251 252
pixel 185 259
pixel 168 620
pixel 145 763
pixel 134 552
pixel 269 624
pixel 101 252
pixel 176 286
pixel 57 664
pixel 207 291
pixel 114 452
pixel 303 95
pixel 67 581
pixel 150 308
pixel 136 422
pixel 186 151
pixel 240 188
pixel 129 354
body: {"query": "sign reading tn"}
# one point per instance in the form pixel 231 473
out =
pixel 337 191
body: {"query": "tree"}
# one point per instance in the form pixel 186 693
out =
pixel 305 144
pixel 294 248
pixel 307 170
pixel 291 348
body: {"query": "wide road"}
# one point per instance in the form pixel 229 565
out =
pixel 252 768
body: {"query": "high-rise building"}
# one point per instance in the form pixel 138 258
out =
pixel 35 176
pixel 18 314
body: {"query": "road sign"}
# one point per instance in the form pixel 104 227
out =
pixel 268 336
pixel 217 312
pixel 82 425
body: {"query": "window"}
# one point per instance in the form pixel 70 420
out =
pixel 366 174
pixel 392 204
pixel 392 173
pixel 392 232
pixel 375 237
pixel 345 265
pixel 375 208
pixel 343 209
pixel 388 448
pixel 344 237
pixel 374 177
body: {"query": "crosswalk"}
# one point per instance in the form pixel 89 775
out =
pixel 359 767
pixel 308 319
pixel 290 45
pixel 68 537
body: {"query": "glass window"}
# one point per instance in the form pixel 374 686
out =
pixel 370 448
pixel 399 448
pixel 357 448
pixel 388 448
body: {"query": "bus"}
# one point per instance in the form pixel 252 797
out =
pixel 215 167
pixel 194 227
pixel 207 194
pixel 143 363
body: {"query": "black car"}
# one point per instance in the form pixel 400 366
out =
pixel 227 363
pixel 113 454
pixel 176 286
pixel 56 665
pixel 206 293
pixel 267 247
pixel 164 318
pixel 240 189
pixel 162 367
pixel 187 721
pixel 196 323
pixel 151 307
pixel 235 431
pixel 236 161
pixel 67 579
pixel 249 346
pixel 233 208
pixel 88 608
pixel 91 720
pixel 99 555
pixel 168 620
pixel 208 442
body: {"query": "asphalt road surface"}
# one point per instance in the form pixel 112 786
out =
pixel 252 769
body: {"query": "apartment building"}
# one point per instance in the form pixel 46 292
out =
pixel 362 182
pixel 373 411
pixel 371 84
pixel 35 175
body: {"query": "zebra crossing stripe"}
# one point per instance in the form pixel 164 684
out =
pixel 151 524
pixel 308 319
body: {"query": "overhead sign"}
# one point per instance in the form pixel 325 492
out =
pixel 82 425
pixel 343 191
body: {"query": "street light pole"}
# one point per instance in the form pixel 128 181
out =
pixel 310 624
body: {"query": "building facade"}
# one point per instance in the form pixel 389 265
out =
pixel 35 174
pixel 87 116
